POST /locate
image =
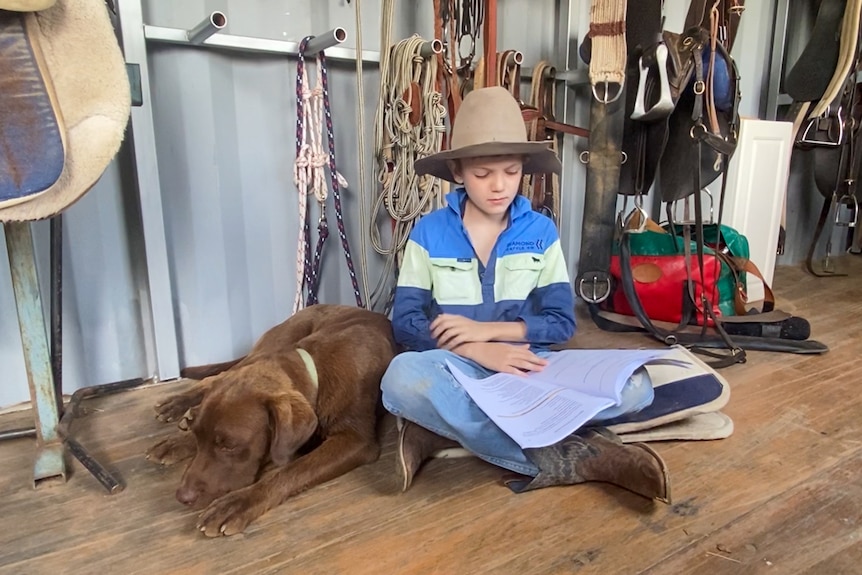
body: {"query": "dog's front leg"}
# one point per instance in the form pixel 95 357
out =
pixel 174 449
pixel 175 406
pixel 337 455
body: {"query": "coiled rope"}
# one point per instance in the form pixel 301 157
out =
pixel 409 125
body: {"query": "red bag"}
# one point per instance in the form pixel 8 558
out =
pixel 660 282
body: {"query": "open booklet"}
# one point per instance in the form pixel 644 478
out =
pixel 541 408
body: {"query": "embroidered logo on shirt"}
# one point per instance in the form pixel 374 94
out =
pixel 524 246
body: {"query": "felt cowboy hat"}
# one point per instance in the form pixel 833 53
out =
pixel 64 103
pixel 489 123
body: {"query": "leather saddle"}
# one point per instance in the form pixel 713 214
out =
pixel 64 103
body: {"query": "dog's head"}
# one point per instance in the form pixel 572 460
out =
pixel 248 418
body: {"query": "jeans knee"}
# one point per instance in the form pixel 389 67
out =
pixel 638 392
pixel 398 385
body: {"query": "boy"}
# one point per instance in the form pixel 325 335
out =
pixel 484 284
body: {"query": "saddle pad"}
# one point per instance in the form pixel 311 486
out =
pixel 699 427
pixel 681 391
pixel 810 75
pixel 32 147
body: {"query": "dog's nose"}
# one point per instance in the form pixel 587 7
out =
pixel 187 495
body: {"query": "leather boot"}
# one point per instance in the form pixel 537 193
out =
pixel 597 454
pixel 415 445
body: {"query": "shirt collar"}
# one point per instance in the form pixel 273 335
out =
pixel 455 199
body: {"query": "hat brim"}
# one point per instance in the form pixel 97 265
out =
pixel 538 158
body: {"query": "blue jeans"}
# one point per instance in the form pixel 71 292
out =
pixel 419 387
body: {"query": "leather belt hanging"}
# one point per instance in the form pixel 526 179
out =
pixel 538 114
pixel 593 283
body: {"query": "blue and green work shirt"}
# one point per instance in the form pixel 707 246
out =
pixel 525 277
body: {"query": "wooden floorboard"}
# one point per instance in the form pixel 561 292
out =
pixel 782 495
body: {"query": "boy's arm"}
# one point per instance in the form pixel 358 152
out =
pixel 549 311
pixel 451 330
pixel 411 325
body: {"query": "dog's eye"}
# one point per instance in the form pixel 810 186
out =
pixel 224 444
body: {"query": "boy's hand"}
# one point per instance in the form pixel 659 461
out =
pixel 452 330
pixel 516 359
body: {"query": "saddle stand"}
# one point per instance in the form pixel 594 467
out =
pixel 63 123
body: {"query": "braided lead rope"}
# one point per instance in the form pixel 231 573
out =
pixel 300 180
pixel 318 159
pixel 308 170
pixel 337 180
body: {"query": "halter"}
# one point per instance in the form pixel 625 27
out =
pixel 308 171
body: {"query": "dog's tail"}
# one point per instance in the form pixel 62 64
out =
pixel 202 371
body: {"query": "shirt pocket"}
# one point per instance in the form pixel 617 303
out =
pixel 520 276
pixel 455 281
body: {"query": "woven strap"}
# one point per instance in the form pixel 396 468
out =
pixel 608 34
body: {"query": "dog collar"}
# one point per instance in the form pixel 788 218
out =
pixel 309 365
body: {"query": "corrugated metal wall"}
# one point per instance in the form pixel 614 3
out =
pixel 224 125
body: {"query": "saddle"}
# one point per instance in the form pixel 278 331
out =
pixel 64 103
pixel 824 81
pixel 681 91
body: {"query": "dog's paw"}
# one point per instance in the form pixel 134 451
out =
pixel 173 408
pixel 230 514
pixel 172 450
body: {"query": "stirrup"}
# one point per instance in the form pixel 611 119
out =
pixel 807 138
pixel 664 106
pixel 846 211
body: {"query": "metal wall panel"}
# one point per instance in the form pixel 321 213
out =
pixel 102 334
pixel 224 128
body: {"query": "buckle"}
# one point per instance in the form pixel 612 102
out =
pixel 595 282
pixel 608 97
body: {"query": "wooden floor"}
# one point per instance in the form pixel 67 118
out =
pixel 783 495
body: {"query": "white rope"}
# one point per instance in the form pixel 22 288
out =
pixel 399 143
pixel 364 190
pixel 309 169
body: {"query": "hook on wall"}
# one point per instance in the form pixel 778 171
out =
pixel 320 43
pixel 208 26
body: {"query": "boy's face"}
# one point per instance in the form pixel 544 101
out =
pixel 492 183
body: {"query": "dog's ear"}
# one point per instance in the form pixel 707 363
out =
pixel 293 424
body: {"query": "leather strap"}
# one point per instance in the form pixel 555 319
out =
pixel 729 13
pixel 447 79
pixel 593 283
pixel 530 114
pixel 614 322
pixel 509 72
pixel 489 42
pixel 673 336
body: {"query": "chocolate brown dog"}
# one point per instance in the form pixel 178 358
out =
pixel 300 409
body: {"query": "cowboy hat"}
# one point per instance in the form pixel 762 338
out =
pixel 489 123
